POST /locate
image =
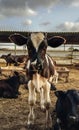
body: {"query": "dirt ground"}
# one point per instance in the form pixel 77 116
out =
pixel 14 112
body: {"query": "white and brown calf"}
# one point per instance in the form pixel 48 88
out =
pixel 40 68
pixel 39 84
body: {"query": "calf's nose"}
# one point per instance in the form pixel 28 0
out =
pixel 72 118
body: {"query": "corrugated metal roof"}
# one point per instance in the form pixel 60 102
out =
pixel 71 37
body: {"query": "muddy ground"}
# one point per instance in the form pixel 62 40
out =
pixel 14 112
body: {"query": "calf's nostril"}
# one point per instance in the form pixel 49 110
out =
pixel 72 118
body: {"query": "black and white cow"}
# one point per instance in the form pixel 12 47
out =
pixel 9 59
pixel 40 68
pixel 67 110
pixel 9 88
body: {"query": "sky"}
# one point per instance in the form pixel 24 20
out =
pixel 39 15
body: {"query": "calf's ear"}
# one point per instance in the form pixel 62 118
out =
pixel 59 93
pixel 56 41
pixel 9 54
pixel 18 39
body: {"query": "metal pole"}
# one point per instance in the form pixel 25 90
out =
pixel 64 47
pixel 15 48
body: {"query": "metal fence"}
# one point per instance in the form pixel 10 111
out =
pixel 65 54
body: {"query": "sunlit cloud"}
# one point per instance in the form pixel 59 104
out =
pixel 68 26
pixel 27 22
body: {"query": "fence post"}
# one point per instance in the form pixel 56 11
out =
pixel 24 49
pixel 71 54
pixel 64 47
pixel 15 48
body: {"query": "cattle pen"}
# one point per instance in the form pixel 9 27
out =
pixel 67 53
pixel 14 112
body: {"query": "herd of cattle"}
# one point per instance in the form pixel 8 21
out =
pixel 40 73
pixel 16 60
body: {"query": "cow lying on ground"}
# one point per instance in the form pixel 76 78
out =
pixel 40 69
pixel 67 110
pixel 9 59
pixel 9 88
pixel 14 59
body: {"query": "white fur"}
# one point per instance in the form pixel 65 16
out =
pixel 28 64
pixel 55 77
pixel 37 38
pixel 50 60
pixel 47 59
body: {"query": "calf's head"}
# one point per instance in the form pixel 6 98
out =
pixel 67 106
pixel 37 45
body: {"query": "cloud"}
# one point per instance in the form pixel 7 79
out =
pixel 39 10
pixel 45 23
pixel 31 12
pixel 27 22
pixel 15 8
pixel 51 3
pixel 1 16
pixel 42 3
pixel 74 3
pixel 30 7
pixel 68 27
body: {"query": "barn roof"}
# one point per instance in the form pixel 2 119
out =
pixel 71 37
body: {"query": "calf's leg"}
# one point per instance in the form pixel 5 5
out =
pixel 47 104
pixel 42 100
pixel 31 100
